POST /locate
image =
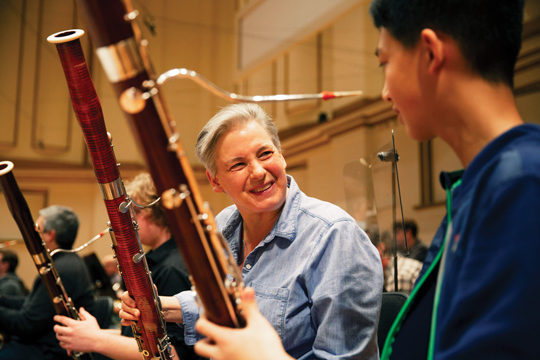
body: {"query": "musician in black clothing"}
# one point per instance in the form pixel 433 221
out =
pixel 169 274
pixel 10 283
pixel 28 321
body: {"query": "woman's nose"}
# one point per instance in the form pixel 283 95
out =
pixel 386 94
pixel 257 171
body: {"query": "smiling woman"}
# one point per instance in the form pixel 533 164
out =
pixel 251 171
pixel 317 278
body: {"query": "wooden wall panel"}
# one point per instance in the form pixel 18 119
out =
pixel 272 27
pixel 303 74
pixel 263 82
pixel 52 116
pixel 12 23
pixel 37 199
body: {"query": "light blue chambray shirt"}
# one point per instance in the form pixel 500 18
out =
pixel 317 279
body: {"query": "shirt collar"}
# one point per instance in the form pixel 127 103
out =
pixel 448 179
pixel 287 224
pixel 158 255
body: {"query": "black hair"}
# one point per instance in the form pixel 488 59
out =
pixel 409 225
pixel 11 258
pixel 488 32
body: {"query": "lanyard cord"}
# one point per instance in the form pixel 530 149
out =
pixel 440 275
pixel 396 326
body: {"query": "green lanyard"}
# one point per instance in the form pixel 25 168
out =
pixel 396 326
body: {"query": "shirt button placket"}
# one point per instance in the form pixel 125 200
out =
pixel 248 266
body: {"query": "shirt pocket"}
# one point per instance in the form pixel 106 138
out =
pixel 272 302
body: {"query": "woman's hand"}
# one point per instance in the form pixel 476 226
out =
pixel 258 340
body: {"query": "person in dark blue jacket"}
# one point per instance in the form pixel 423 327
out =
pixel 449 67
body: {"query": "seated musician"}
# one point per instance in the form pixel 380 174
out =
pixel 28 321
pixel 169 274
pixel 315 274
pixel 10 283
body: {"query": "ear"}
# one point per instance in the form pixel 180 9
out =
pixel 214 182
pixel 434 45
pixel 49 236
pixel 283 159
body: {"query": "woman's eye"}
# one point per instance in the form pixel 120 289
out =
pixel 237 166
pixel 266 154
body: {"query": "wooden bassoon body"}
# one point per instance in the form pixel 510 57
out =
pixel 149 331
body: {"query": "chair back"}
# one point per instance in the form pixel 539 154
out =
pixel 103 311
pixel 392 302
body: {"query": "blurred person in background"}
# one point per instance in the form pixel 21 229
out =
pixel 169 274
pixel 10 283
pixel 28 321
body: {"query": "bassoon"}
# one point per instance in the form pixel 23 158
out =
pixel 125 58
pixel 149 330
pixel 63 305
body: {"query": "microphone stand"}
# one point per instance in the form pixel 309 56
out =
pixel 392 156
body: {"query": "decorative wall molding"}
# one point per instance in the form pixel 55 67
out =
pixel 370 111
pixel 531 28
pixel 38 171
pixel 366 112
pixel 267 29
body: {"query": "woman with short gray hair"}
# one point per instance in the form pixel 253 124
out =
pixel 223 121
pixel 316 276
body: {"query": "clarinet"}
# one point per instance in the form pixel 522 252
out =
pixel 63 305
pixel 213 271
pixel 149 331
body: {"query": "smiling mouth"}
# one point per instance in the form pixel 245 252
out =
pixel 264 188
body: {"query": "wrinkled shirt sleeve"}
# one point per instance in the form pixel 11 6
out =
pixel 190 315
pixel 345 281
